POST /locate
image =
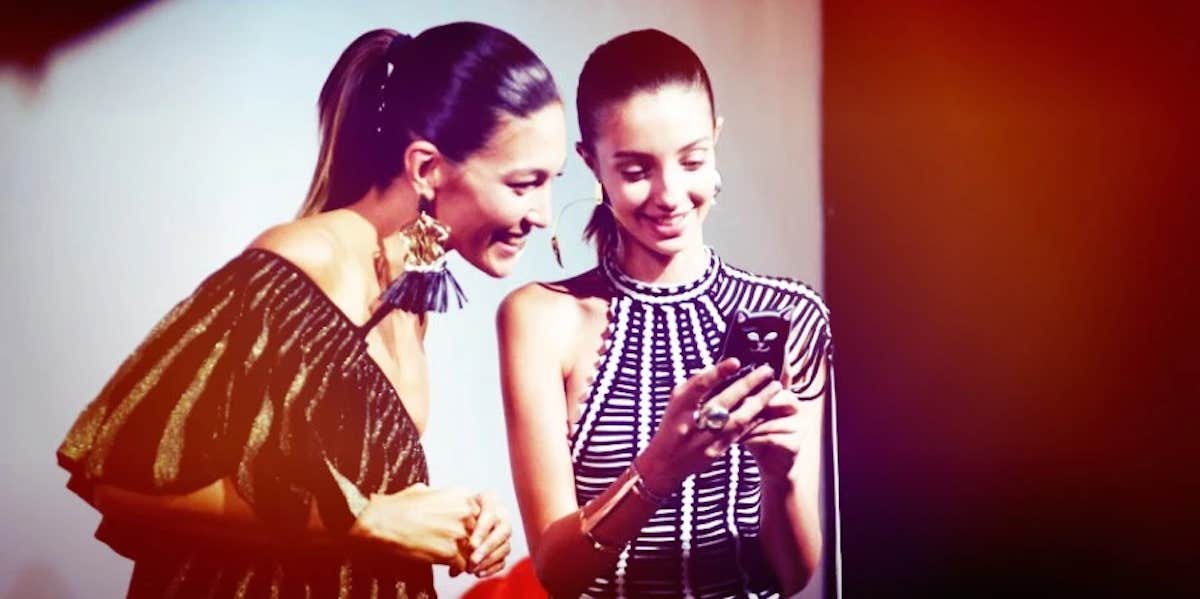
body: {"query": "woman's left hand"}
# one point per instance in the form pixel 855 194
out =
pixel 779 432
pixel 489 544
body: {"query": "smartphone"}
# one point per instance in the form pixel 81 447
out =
pixel 755 338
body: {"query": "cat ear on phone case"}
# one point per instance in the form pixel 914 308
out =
pixel 755 338
pixel 787 313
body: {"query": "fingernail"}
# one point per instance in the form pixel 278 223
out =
pixel 475 557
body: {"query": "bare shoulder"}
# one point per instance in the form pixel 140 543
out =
pixel 306 244
pixel 556 305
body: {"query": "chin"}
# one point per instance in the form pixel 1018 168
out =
pixel 668 246
pixel 491 263
pixel 499 271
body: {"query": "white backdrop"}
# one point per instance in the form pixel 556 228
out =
pixel 153 151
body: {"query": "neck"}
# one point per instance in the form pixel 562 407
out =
pixel 648 266
pixel 387 212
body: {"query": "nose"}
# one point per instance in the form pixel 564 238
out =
pixel 539 213
pixel 670 193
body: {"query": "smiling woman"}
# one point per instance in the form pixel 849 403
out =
pixel 637 473
pixel 488 197
pixel 264 439
pixel 656 161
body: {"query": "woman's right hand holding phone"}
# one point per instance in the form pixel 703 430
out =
pixel 687 442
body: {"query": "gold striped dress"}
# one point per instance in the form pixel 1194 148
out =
pixel 258 378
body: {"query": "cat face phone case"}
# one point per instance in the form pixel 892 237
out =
pixel 755 338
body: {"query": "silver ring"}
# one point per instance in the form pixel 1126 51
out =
pixel 711 417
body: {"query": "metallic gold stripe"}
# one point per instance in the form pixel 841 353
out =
pixel 258 435
pixel 256 349
pixel 79 439
pixel 114 423
pixel 273 274
pixel 244 584
pixel 170 445
pixel 345 575
pixel 276 581
pixel 181 575
pixel 288 399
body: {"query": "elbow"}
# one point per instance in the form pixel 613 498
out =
pixel 541 559
pixel 797 580
pixel 544 572
pixel 803 578
pixel 805 568
pixel 541 570
pixel 554 578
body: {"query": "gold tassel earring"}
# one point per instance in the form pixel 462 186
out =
pixel 426 284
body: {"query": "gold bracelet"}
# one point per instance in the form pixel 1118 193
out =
pixel 641 489
pixel 596 543
pixel 593 513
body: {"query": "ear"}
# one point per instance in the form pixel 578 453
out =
pixel 424 167
pixel 588 158
pixel 740 317
pixel 717 130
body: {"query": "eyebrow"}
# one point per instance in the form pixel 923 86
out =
pixel 633 154
pixel 538 172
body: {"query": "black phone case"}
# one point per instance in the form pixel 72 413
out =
pixel 755 338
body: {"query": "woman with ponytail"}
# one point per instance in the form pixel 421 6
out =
pixel 645 464
pixel 264 439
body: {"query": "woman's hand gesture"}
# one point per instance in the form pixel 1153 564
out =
pixel 431 525
pixel 697 429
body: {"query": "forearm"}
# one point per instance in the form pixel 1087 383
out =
pixel 214 511
pixel 584 544
pixel 791 531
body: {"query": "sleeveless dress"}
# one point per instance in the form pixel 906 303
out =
pixel 704 541
pixel 257 377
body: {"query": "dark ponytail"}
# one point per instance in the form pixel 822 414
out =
pixel 601 228
pixel 344 121
pixel 450 85
pixel 637 61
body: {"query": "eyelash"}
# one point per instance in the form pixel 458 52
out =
pixel 633 176
pixel 521 187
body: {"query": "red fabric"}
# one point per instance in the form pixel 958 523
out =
pixel 519 581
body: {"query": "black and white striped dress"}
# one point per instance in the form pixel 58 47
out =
pixel 704 541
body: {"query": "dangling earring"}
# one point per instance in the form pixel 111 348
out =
pixel 426 284
pixel 554 240
pixel 596 201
